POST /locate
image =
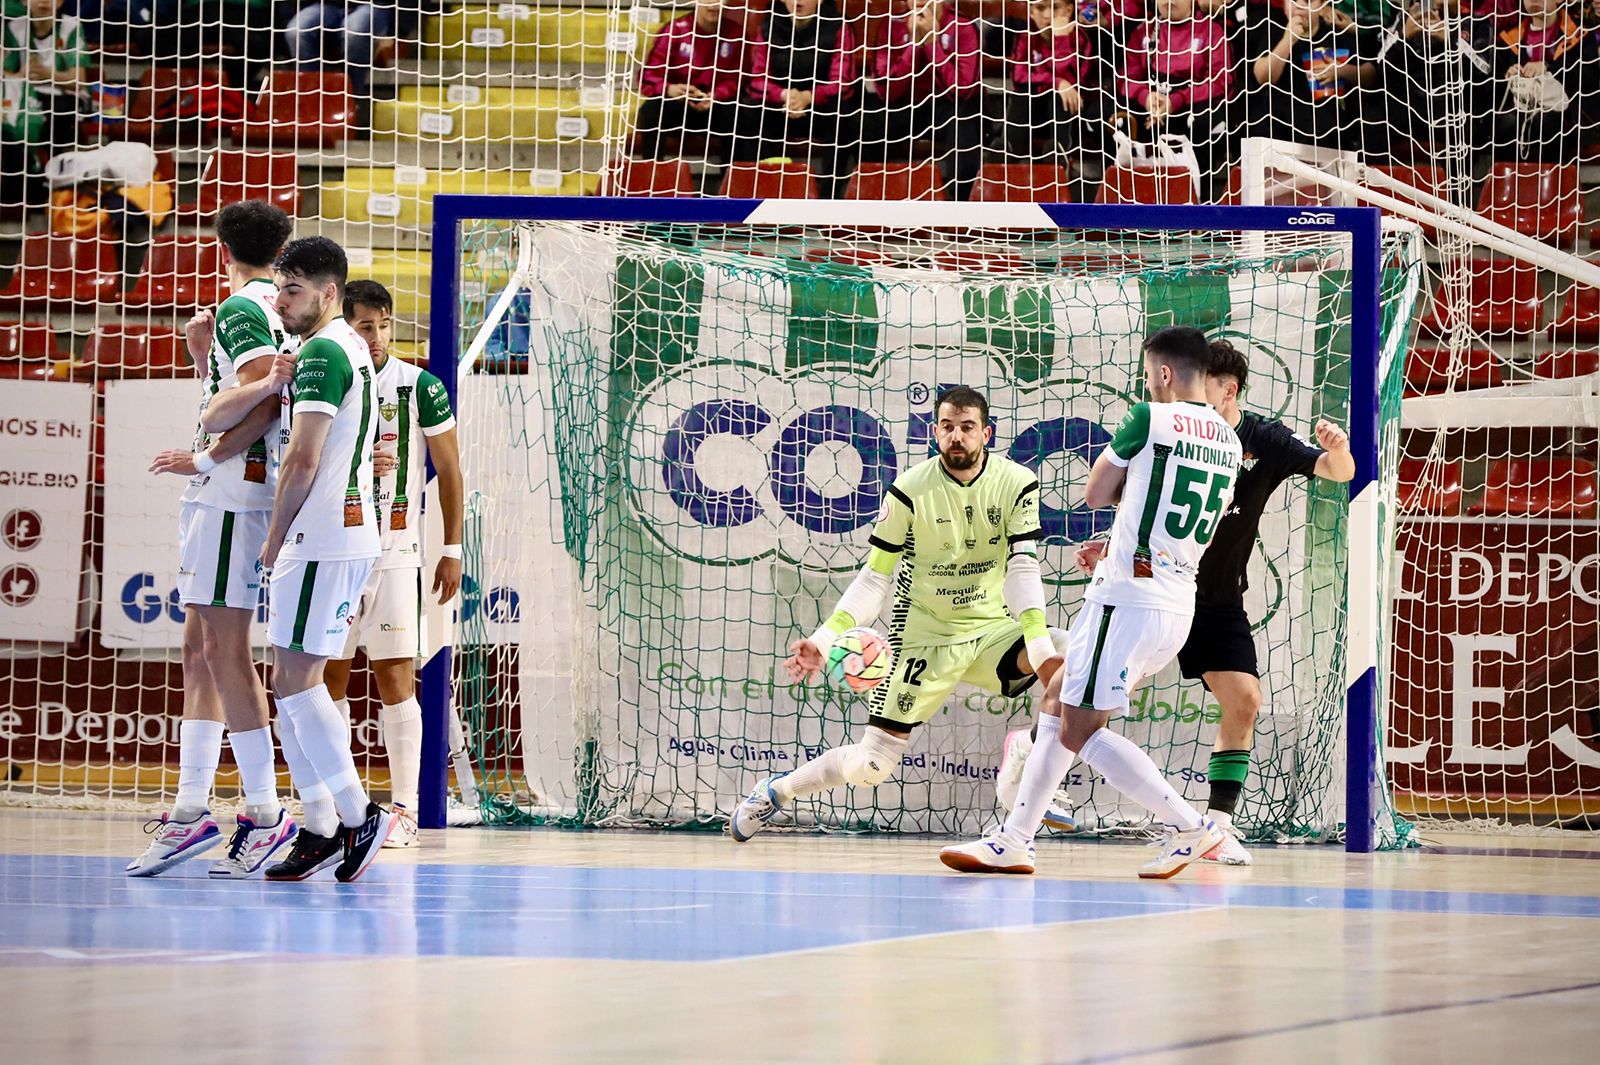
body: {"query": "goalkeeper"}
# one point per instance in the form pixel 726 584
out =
pixel 963 529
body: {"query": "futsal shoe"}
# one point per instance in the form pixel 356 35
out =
pixel 462 815
pixel 1008 781
pixel 753 814
pixel 175 842
pixel 362 843
pixel 310 855
pixel 1230 851
pixel 404 832
pixel 1178 849
pixel 991 854
pixel 252 845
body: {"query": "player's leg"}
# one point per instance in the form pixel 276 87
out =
pixel 1019 742
pixel 391 622
pixel 189 829
pixel 308 622
pixel 1239 696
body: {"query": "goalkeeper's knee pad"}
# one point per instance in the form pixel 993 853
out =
pixel 874 760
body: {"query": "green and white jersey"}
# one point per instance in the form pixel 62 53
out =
pixel 412 405
pixel 339 520
pixel 953 540
pixel 22 111
pixel 247 328
pixel 1182 461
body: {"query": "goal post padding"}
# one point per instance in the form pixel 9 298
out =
pixel 679 476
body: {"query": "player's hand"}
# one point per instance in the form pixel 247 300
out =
pixel 1298 27
pixel 1049 667
pixel 384 462
pixel 1071 99
pixel 176 461
pixel 269 552
pixel 198 332
pixel 805 659
pixel 447 579
pixel 1332 438
pixel 1087 557
pixel 281 372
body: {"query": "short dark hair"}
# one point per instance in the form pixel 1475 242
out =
pixel 1180 346
pixel 1229 361
pixel 963 398
pixel 366 294
pixel 316 259
pixel 253 231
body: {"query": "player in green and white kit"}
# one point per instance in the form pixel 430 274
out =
pixel 1170 469
pixel 968 603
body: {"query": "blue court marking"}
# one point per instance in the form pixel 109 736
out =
pixel 87 904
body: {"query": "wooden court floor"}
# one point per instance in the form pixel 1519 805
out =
pixel 624 947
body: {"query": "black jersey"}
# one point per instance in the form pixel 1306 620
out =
pixel 1272 454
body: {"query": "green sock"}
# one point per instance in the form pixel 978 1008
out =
pixel 1226 775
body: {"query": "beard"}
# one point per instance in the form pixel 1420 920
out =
pixel 961 460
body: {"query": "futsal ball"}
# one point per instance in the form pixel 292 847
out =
pixel 860 658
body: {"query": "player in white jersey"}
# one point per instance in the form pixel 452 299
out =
pixel 415 422
pixel 233 468
pixel 321 547
pixel 1170 469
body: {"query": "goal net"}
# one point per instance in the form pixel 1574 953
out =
pixel 678 436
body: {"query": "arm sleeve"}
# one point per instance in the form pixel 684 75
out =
pixel 966 67
pixel 862 601
pixel 841 71
pixel 1136 71
pixel 322 376
pixel 726 81
pixel 433 406
pixel 243 332
pixel 653 75
pixel 1132 435
pixel 1024 595
pixel 1297 454
pixel 1022 525
pixel 760 88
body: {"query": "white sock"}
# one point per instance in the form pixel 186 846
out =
pixel 252 752
pixel 1046 767
pixel 1128 769
pixel 199 751
pixel 402 739
pixel 320 817
pixel 826 770
pixel 343 706
pixel 319 729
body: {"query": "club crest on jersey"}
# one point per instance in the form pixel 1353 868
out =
pixel 1247 462
pixel 993 514
pixel 388 410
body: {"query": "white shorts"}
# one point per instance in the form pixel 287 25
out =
pixel 1110 649
pixel 219 556
pixel 389 616
pixel 312 605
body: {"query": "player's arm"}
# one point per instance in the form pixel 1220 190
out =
pixel 260 381
pixel 322 376
pixel 438 426
pixel 1024 583
pixel 1335 463
pixel 246 337
pixel 233 442
pixel 1110 470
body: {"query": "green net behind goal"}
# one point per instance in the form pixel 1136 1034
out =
pixel 676 439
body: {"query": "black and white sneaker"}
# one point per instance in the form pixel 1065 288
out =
pixel 361 843
pixel 310 855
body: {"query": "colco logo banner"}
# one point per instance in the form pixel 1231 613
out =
pixel 732 462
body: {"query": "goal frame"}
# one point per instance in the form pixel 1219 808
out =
pixel 1363 225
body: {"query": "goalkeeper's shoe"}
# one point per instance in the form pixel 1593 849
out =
pixel 462 815
pixel 1008 781
pixel 252 846
pixel 175 842
pixel 991 854
pixel 753 814
pixel 1178 849
pixel 404 833
pixel 310 855
pixel 1230 851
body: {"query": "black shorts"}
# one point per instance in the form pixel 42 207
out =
pixel 1219 641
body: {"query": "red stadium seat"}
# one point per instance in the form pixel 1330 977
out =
pixel 1430 489
pixel 648 177
pixel 63 269
pixel 1503 297
pixel 1560 488
pixel 1429 370
pixel 1165 184
pixel 866 257
pixel 232 175
pixel 1568 363
pixel 28 351
pixel 1578 320
pixel 769 181
pixel 981 262
pixel 166 105
pixel 1540 200
pixel 1022 183
pixel 895 181
pixel 181 272
pixel 134 351
pixel 298 107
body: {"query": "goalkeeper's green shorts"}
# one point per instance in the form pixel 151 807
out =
pixel 924 677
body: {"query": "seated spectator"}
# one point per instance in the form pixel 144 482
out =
pixel 926 77
pixel 1545 71
pixel 691 80
pixel 1416 61
pixel 1055 100
pixel 46 51
pixel 1178 78
pixel 803 88
pixel 1307 62
pixel 362 36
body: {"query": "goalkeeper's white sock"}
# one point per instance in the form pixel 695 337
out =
pixel 1128 769
pixel 823 773
pixel 1042 775
pixel 402 739
pixel 322 737
pixel 199 751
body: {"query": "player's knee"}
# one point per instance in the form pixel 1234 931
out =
pixel 1076 728
pixel 874 760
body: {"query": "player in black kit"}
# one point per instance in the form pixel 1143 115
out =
pixel 1221 651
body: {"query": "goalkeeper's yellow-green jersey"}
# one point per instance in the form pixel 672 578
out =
pixel 953 541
